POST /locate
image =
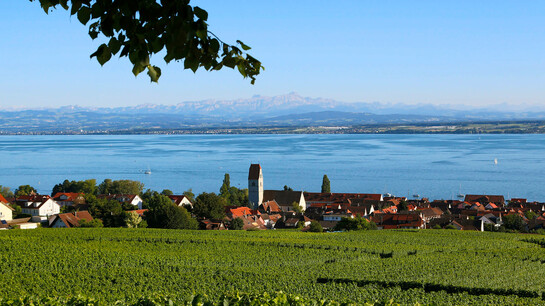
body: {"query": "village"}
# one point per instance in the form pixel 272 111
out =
pixel 285 209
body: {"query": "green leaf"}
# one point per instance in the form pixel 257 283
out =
pixel 64 4
pixel 114 45
pixel 84 14
pixel 202 34
pixel 154 73
pixel 243 46
pixel 76 5
pixel 242 70
pixel 200 13
pixel 103 54
pixel 138 67
pixel 46 5
pixel 191 63
pixel 214 45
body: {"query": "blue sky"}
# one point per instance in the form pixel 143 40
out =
pixel 439 52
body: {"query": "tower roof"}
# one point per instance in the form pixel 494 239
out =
pixel 255 170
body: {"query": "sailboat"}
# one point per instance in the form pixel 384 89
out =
pixel 495 161
pixel 460 194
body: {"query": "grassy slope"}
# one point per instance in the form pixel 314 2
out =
pixel 409 266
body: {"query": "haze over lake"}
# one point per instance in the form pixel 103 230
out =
pixel 434 166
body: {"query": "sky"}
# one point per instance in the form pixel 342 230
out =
pixel 460 52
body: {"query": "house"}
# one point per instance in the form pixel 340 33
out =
pixel 285 198
pixel 250 217
pixel 397 221
pixel 337 215
pixel 491 206
pixel 71 219
pixel 342 200
pixel 468 224
pixel 482 198
pixel 269 207
pixel 207 224
pixel 518 200
pixel 132 199
pixel 40 206
pixel 6 211
pixel 270 220
pixel 429 214
pixel 69 198
pixel 22 223
pixel 181 200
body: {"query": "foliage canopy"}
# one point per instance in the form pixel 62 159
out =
pixel 139 29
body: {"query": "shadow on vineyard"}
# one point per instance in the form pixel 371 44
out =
pixel 539 242
pixel 427 287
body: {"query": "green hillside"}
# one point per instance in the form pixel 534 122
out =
pixel 432 266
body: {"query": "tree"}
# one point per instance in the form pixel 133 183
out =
pixel 6 192
pixel 210 205
pixel 167 192
pixel 354 224
pixel 189 195
pixel 224 190
pixel 326 187
pixel 402 206
pixel 315 227
pixel 514 222
pixel 138 29
pixel 239 197
pixel 236 224
pixel 296 207
pixel 286 188
pixel 86 186
pixel 162 213
pixel 120 187
pixel 24 190
pixel 133 219
pixel 530 215
pixel 111 212
pixel 92 223
pixel 17 210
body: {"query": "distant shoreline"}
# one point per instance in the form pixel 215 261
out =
pixel 485 127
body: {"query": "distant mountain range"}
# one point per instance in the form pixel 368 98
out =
pixel 259 111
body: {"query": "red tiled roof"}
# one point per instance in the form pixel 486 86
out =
pixel 238 212
pixel 339 197
pixel 35 198
pixel 488 198
pixel 492 205
pixel 71 196
pixel 2 199
pixel 271 206
pixel 140 212
pixel 520 200
pixel 72 219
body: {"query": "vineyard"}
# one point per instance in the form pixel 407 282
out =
pixel 432 266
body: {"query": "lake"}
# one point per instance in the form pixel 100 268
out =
pixel 434 166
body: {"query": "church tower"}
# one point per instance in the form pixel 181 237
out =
pixel 255 185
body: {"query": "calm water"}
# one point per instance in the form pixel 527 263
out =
pixel 435 166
